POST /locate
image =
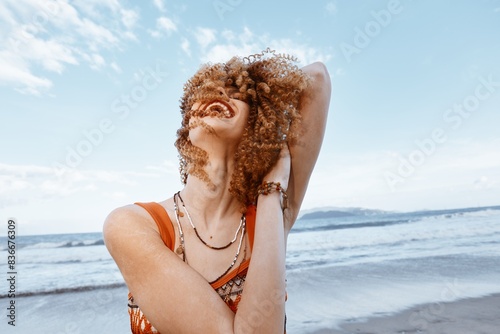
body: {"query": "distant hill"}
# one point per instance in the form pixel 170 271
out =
pixel 326 214
pixel 322 213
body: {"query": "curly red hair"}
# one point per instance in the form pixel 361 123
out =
pixel 271 84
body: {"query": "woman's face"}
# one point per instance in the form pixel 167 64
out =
pixel 225 120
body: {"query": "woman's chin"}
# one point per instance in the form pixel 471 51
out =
pixel 211 133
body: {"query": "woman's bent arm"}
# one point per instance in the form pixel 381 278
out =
pixel 305 149
pixel 172 295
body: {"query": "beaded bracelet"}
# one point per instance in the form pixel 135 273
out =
pixel 268 187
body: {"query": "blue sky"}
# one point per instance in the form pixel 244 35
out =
pixel 90 100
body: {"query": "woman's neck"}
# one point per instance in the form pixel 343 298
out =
pixel 212 202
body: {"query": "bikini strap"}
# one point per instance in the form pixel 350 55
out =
pixel 161 218
pixel 250 221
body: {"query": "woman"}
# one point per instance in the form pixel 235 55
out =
pixel 211 258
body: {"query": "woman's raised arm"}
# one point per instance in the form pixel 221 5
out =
pixel 305 149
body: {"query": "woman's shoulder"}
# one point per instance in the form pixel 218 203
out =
pixel 122 220
pixel 127 214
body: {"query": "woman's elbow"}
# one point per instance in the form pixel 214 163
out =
pixel 320 79
pixel 318 72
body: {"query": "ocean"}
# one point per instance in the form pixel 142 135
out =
pixel 338 269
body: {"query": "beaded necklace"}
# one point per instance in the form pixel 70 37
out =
pixel 198 235
pixel 182 248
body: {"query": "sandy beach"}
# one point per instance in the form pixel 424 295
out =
pixel 95 311
pixel 105 311
pixel 466 316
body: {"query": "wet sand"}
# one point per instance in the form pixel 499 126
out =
pixel 105 311
pixel 466 316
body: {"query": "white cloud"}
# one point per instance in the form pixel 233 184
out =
pixel 223 52
pixel 166 24
pixel 483 183
pixel 168 167
pixel 96 61
pixel 129 18
pixel 115 67
pixel 116 195
pixel 129 35
pixel 96 35
pixel 155 33
pixel 51 54
pixel 247 43
pixel 205 36
pixel 15 71
pixel 13 185
pixel 229 35
pixel 185 47
pixel 43 37
pixel 331 8
pixel 160 5
pixel 6 16
pixel 304 53
pixel 32 182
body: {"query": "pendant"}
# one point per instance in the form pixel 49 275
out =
pixel 179 250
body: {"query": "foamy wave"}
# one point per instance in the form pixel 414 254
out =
pixel 458 213
pixel 65 244
pixel 65 259
pixel 488 213
pixel 65 290
pixel 483 213
pixel 376 223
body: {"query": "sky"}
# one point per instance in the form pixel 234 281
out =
pixel 90 95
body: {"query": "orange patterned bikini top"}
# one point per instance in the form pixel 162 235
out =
pixel 229 287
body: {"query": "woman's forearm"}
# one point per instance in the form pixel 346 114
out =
pixel 262 306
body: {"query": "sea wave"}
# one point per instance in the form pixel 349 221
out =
pixel 56 259
pixel 351 225
pixel 65 290
pixel 476 214
pixel 382 220
pixel 99 242
pixel 61 244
